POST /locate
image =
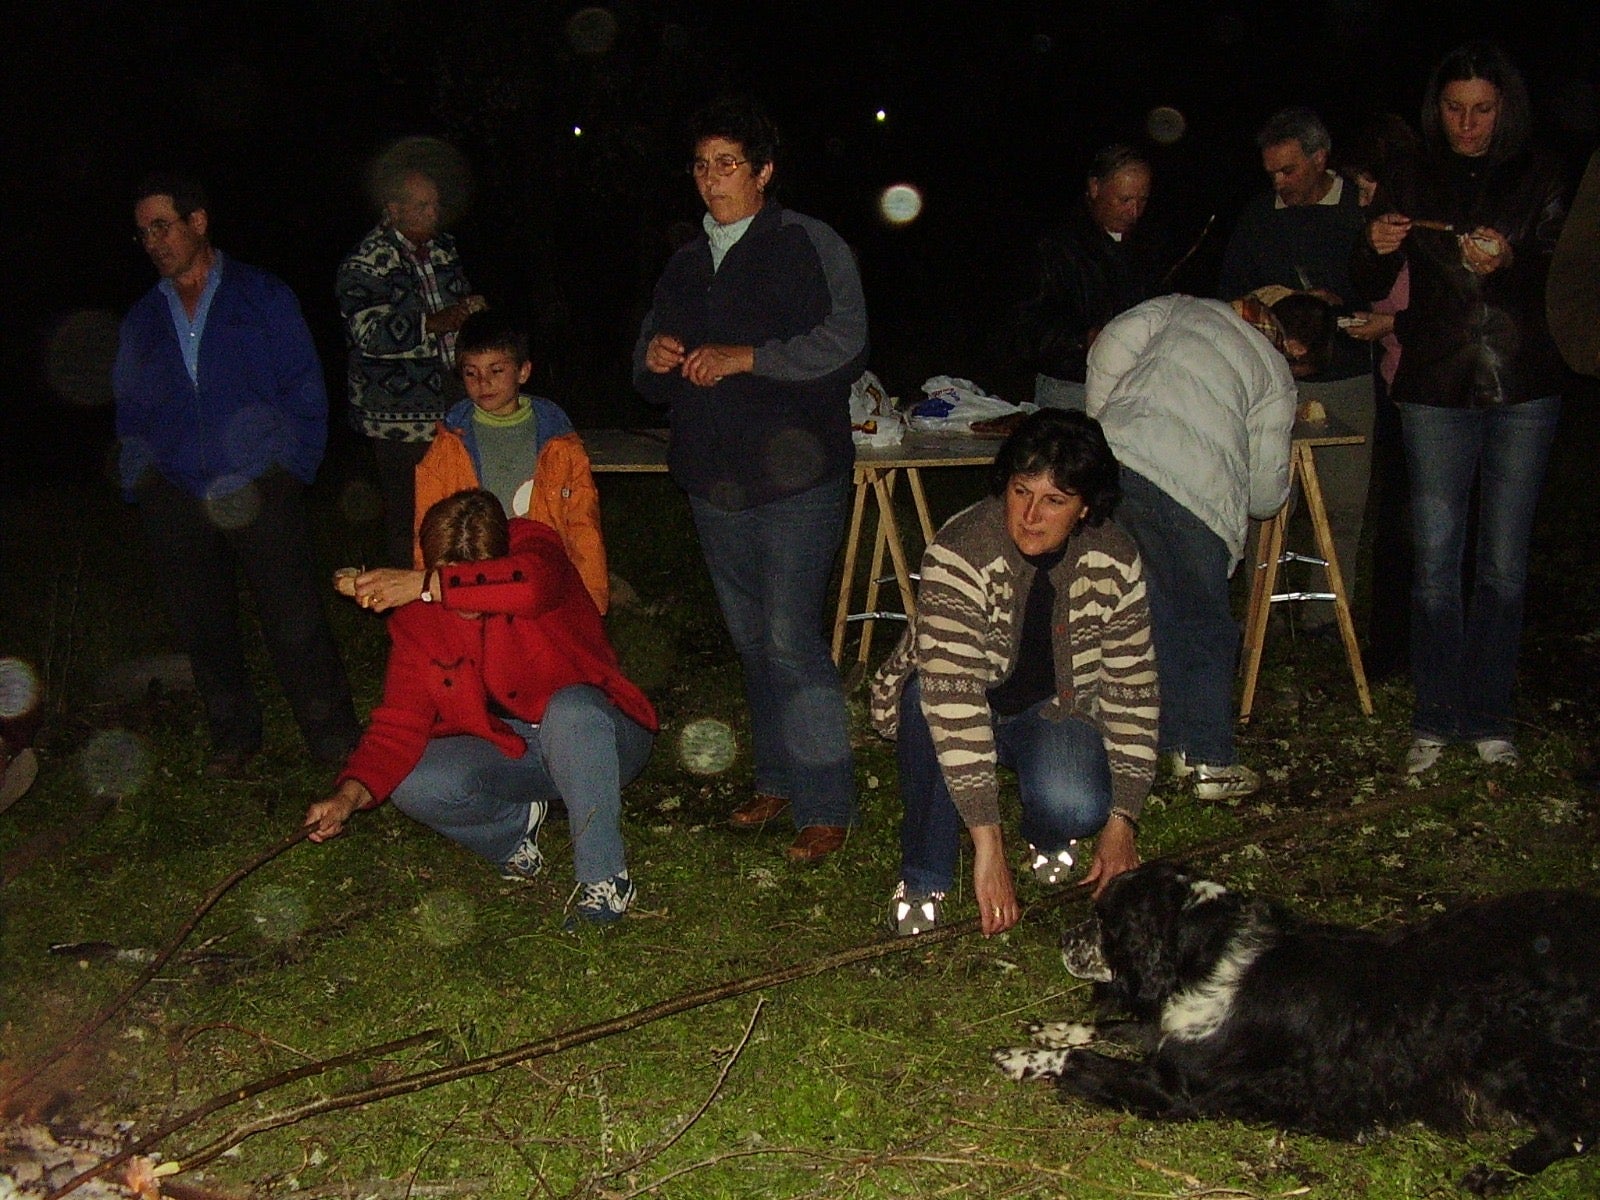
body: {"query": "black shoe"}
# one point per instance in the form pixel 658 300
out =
pixel 228 764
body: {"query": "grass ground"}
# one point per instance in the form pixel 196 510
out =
pixel 866 1081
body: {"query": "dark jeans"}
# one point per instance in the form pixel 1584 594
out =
pixel 1063 783
pixel 771 565
pixel 1464 648
pixel 396 464
pixel 197 548
pixel 1197 640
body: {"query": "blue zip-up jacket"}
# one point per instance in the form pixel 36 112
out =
pixel 260 401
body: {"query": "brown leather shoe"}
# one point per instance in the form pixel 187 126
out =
pixel 757 811
pixel 817 842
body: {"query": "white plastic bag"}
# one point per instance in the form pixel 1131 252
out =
pixel 954 404
pixel 874 420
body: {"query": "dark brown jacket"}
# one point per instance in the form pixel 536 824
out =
pixel 1471 341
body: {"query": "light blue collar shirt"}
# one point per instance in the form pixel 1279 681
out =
pixel 190 331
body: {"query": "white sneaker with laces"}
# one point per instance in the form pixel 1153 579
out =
pixel 1498 752
pixel 1224 783
pixel 1422 755
pixel 1053 868
pixel 914 912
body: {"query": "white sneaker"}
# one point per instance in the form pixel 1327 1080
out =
pixel 1178 765
pixel 914 912
pixel 1423 754
pixel 1498 752
pixel 1051 869
pixel 1224 783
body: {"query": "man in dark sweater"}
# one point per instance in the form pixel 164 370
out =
pixel 1299 236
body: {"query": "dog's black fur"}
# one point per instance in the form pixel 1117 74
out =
pixel 1492 1010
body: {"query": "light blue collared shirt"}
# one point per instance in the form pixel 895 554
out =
pixel 191 331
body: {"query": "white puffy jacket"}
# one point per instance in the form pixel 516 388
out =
pixel 1199 402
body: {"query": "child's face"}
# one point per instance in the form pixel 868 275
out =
pixel 493 379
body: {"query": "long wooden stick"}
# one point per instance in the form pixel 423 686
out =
pixel 627 1022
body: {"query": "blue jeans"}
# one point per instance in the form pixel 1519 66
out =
pixel 1186 569
pixel 584 752
pixel 770 566
pixel 1063 782
pixel 1464 650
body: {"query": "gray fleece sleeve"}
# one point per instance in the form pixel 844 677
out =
pixel 841 338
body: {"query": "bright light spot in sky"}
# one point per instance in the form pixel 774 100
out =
pixel 1165 124
pixel 882 116
pixel 19 689
pixel 577 131
pixel 706 746
pixel 900 204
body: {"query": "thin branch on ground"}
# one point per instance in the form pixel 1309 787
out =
pixel 654 1152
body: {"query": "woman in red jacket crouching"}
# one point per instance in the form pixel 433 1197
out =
pixel 502 694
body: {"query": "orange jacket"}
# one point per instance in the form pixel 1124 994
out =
pixel 562 493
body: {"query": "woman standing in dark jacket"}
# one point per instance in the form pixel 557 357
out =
pixel 757 330
pixel 1476 221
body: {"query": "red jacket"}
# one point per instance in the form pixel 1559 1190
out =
pixel 539 632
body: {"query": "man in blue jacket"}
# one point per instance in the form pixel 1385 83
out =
pixel 222 416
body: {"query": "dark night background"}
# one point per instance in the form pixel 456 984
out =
pixel 992 110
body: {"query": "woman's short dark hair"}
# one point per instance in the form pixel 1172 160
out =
pixel 737 119
pixel 1486 61
pixel 469 526
pixel 1309 320
pixel 1072 449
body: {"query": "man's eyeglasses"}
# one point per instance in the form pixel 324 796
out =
pixel 721 166
pixel 154 232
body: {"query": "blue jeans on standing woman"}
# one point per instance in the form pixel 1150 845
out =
pixel 1464 649
pixel 1063 782
pixel 770 565
pixel 584 751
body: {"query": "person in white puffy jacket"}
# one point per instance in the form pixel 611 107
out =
pixel 1197 398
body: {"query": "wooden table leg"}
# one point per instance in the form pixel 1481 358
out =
pixel 920 499
pixel 1323 532
pixel 852 544
pixel 882 484
pixel 1269 549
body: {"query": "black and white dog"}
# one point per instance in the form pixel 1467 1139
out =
pixel 1245 1011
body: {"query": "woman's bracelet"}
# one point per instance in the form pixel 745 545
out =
pixel 1132 824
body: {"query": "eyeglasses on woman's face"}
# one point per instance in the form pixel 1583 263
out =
pixel 721 166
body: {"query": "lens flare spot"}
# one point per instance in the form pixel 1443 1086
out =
pixel 279 913
pixel 900 204
pixel 78 360
pixel 113 763
pixel 19 689
pixel 1165 125
pixel 707 746
pixel 446 918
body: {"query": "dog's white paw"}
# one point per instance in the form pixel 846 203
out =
pixel 1061 1035
pixel 1022 1063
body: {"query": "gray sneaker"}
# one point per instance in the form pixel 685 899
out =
pixel 604 902
pixel 914 912
pixel 527 860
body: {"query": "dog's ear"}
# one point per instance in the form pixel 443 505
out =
pixel 1203 891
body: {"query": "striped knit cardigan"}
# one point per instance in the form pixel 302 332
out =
pixel 964 639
